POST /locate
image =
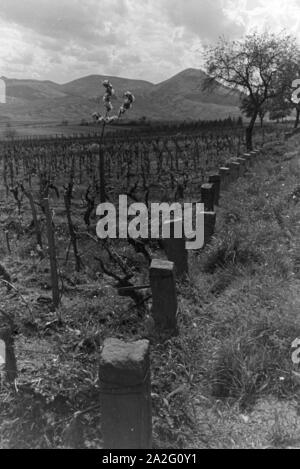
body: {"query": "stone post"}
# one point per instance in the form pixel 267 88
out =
pixel 249 159
pixel 215 180
pixel 225 176
pixel 164 298
pixel 228 164
pixel 125 394
pixel 243 165
pixel 234 169
pixel 237 165
pixel 10 359
pixel 208 197
pixel 175 246
pixel 209 226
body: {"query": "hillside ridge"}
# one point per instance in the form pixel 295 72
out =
pixel 180 97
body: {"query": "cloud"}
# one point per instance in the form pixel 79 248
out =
pixel 80 20
pixel 62 33
pixel 275 15
pixel 148 39
pixel 205 18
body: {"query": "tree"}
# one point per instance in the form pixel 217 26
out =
pixel 295 71
pixel 247 108
pixel 297 116
pixel 285 102
pixel 279 108
pixel 256 66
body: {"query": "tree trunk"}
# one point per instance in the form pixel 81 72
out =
pixel 297 117
pixel 249 132
pixel 52 254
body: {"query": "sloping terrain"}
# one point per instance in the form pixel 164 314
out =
pixel 226 381
pixel 179 98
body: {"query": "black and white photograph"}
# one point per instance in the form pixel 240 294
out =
pixel 149 227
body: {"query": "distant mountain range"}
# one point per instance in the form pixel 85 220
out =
pixel 178 98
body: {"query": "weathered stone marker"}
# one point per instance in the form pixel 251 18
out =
pixel 164 298
pixel 249 158
pixel 224 172
pixel 232 177
pixel 237 166
pixel 10 359
pixel 234 169
pixel 209 226
pixel 287 135
pixel 208 197
pixel 175 247
pixel 215 180
pixel 243 165
pixel 125 393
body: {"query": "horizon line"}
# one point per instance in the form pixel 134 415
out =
pixel 3 77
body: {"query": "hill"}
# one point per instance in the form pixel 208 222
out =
pixel 89 86
pixel 179 98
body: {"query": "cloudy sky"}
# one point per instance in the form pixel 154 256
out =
pixel 62 40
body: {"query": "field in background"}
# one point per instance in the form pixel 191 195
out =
pixel 31 129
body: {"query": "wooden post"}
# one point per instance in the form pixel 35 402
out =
pixel 225 176
pixel 164 299
pixel 9 358
pixel 125 393
pixel 208 197
pixel 215 180
pixel 36 223
pixel 175 247
pixel 52 254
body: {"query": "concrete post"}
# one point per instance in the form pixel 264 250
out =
pixel 287 135
pixel 164 298
pixel 234 170
pixel 243 165
pixel 209 226
pixel 249 159
pixel 225 176
pixel 228 164
pixel 175 247
pixel 10 359
pixel 125 394
pixel 237 167
pixel 215 180
pixel 208 197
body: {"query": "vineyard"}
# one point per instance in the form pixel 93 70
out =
pixel 132 165
pixel 77 290
pixel 65 174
